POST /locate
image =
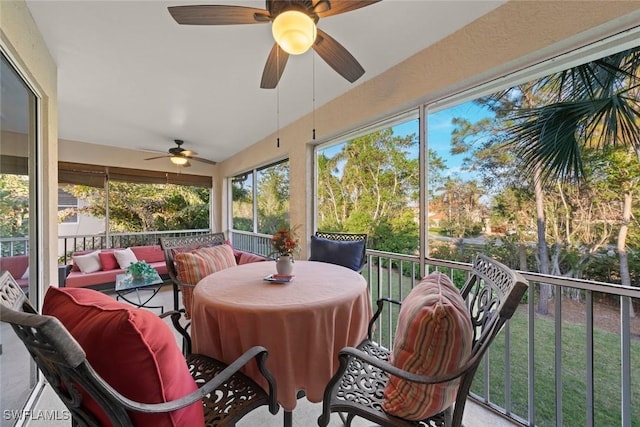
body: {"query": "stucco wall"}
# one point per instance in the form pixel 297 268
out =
pixel 510 37
pixel 23 43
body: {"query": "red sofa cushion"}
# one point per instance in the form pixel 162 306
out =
pixel 16 265
pixel 108 260
pixel 132 349
pixel 151 253
pixel 247 257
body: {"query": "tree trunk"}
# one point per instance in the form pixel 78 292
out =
pixel 625 278
pixel 543 256
pixel 522 252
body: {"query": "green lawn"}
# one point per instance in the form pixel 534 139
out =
pixel 607 373
pixel 607 370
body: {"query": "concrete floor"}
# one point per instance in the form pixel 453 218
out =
pixel 305 414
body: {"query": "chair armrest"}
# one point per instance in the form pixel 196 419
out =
pixel 257 352
pixel 380 303
pixel 346 354
pixel 182 330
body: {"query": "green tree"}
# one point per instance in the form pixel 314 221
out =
pixel 14 205
pixel 372 185
pixel 146 207
pixel 592 105
pixel 273 197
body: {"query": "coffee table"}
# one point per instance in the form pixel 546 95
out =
pixel 125 285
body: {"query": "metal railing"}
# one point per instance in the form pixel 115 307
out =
pixel 530 374
pixel 12 246
pixel 541 361
pixel 541 365
pixel 259 244
pixel 71 244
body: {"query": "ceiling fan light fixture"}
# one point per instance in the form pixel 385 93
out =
pixel 180 161
pixel 294 31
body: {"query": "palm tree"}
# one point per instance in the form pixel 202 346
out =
pixel 594 105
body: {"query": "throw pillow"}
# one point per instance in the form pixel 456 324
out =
pixel 347 254
pixel 89 263
pixel 194 265
pixel 125 257
pixel 434 337
pixel 131 349
pixel 25 275
pixel 108 260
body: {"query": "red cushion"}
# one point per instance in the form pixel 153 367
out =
pixel 151 253
pixel 236 253
pixel 247 257
pixel 108 260
pixel 131 348
pixel 16 265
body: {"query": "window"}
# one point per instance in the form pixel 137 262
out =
pixel 260 199
pixel 67 207
pixel 508 185
pixel 369 183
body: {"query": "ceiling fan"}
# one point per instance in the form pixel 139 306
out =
pixel 294 29
pixel 179 156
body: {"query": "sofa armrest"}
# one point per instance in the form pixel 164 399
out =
pixel 63 272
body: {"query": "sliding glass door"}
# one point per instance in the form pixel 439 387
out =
pixel 18 228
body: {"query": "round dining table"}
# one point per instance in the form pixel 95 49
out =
pixel 303 323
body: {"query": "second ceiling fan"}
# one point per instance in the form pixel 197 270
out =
pixel 180 157
pixel 294 29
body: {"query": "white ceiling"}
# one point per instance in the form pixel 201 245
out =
pixel 130 76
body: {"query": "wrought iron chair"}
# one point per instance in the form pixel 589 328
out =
pixel 171 245
pixel 492 293
pixel 352 257
pixel 226 394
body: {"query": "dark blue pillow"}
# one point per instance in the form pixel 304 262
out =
pixel 347 254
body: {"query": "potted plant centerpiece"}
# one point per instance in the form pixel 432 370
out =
pixel 140 270
pixel 285 243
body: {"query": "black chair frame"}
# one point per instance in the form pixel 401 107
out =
pixel 493 293
pixel 226 394
pixel 171 245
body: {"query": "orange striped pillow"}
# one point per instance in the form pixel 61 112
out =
pixel 433 337
pixel 194 265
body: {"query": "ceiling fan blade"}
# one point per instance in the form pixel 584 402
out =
pixel 337 57
pixel 218 15
pixel 187 153
pixel 342 6
pixel 158 157
pixel 200 159
pixel 274 67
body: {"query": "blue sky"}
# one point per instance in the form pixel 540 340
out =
pixel 439 128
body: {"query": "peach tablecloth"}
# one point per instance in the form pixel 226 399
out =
pixel 303 324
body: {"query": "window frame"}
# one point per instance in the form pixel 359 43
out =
pixel 254 194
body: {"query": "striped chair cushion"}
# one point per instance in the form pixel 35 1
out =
pixel 433 337
pixel 192 266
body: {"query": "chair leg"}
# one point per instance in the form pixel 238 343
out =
pixel 350 418
pixel 448 417
pixel 176 304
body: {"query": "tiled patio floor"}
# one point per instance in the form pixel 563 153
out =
pixel 305 414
